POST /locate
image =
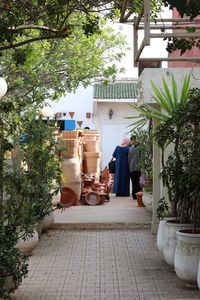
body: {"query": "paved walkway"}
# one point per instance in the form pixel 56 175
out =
pixel 111 264
pixel 119 212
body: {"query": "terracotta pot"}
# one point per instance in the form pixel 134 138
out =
pixel 68 197
pixel 91 146
pixel 139 199
pixel 70 134
pixel 89 137
pixel 71 148
pixel 76 187
pixel 91 162
pixel 92 198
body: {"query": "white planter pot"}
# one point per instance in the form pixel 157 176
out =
pixel 170 240
pixel 187 256
pixel 56 199
pixel 161 234
pixel 147 199
pixel 48 222
pixel 198 275
pixel 39 229
pixel 29 244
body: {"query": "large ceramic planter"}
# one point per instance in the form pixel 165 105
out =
pixel 29 244
pixel 76 186
pixel 161 234
pixel 198 275
pixel 91 162
pixel 70 170
pixel 56 199
pixel 70 134
pixel 147 199
pixel 70 147
pixel 47 222
pixel 170 240
pixel 187 256
pixel 91 146
pixel 39 228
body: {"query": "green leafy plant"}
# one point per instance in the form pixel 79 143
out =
pixel 162 209
pixel 180 172
pixel 168 102
pixel 144 141
pixel 177 130
pixel 13 264
pixel 40 156
pixel 29 179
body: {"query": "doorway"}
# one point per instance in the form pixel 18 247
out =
pixel 111 136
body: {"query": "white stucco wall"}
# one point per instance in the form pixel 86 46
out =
pixel 146 90
pixel 79 102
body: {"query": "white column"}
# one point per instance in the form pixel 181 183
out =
pixel 156 186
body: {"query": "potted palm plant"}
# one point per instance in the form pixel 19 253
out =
pixel 179 127
pixel 187 251
pixel 168 103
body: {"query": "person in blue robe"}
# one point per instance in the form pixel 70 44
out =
pixel 122 178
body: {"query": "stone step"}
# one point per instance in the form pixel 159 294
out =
pixel 101 226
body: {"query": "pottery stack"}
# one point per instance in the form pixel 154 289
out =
pixel 71 164
pixel 91 153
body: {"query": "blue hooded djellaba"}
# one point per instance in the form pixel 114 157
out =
pixel 121 178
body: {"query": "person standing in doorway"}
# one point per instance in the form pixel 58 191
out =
pixel 134 167
pixel 121 178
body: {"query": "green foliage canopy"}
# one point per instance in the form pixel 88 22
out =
pixel 51 19
pixel 47 70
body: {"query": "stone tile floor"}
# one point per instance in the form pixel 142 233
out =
pixel 100 265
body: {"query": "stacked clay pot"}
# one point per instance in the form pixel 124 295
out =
pixel 91 153
pixel 70 165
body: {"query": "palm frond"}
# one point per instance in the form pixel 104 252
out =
pixel 168 95
pixel 160 98
pixel 185 89
pixel 174 91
